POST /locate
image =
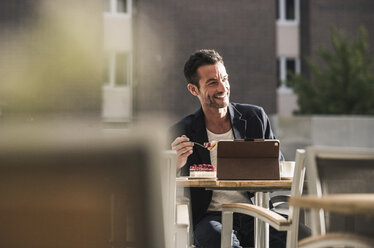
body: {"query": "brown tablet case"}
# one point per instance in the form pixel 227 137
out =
pixel 248 160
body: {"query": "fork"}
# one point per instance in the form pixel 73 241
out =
pixel 207 145
pixel 199 145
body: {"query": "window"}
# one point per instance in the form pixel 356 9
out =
pixel 288 11
pixel 117 70
pixel 106 69
pixel 118 6
pixel 285 66
pixel 121 6
pixel 122 69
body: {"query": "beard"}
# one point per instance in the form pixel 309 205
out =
pixel 214 104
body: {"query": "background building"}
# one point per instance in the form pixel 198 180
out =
pixel 260 41
pixel 317 18
pixel 146 42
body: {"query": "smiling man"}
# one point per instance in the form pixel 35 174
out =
pixel 217 119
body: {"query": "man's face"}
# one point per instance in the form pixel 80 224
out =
pixel 214 89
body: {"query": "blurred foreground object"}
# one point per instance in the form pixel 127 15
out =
pixel 343 83
pixel 51 62
pixel 83 188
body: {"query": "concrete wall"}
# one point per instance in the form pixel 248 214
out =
pixel 301 131
pixel 117 32
pixel 288 40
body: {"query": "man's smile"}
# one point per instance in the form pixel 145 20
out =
pixel 221 96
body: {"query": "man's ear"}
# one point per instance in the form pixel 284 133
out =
pixel 193 89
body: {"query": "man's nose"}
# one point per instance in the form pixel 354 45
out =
pixel 221 86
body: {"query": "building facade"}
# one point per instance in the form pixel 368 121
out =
pixel 146 43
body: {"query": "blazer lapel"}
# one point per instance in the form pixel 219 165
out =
pixel 238 124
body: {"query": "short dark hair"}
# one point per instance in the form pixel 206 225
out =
pixel 197 59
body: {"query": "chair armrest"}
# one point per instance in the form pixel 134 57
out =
pixel 183 217
pixel 337 240
pixel 272 218
pixel 183 200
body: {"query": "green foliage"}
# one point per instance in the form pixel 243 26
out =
pixel 343 83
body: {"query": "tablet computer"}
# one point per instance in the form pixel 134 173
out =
pixel 256 159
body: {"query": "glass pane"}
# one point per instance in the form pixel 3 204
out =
pixel 122 69
pixel 122 6
pixel 290 66
pixel 106 5
pixel 279 81
pixel 290 9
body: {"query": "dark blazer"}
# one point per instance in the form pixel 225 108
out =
pixel 247 121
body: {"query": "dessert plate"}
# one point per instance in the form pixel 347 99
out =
pixel 192 178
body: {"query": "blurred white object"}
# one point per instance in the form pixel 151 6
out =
pixel 117 103
pixel 176 214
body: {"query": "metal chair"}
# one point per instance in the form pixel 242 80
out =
pixel 274 219
pixel 338 170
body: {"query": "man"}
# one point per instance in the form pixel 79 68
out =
pixel 217 119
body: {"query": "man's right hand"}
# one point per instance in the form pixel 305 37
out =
pixel 184 149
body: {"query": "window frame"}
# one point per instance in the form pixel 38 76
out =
pixel 112 66
pixel 282 13
pixel 113 8
pixel 282 67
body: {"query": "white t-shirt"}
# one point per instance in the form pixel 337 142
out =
pixel 223 196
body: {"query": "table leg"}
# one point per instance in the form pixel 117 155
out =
pixel 261 228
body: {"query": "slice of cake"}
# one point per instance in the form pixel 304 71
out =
pixel 210 145
pixel 202 170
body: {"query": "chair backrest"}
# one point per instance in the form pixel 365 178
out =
pixel 337 170
pixel 296 191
